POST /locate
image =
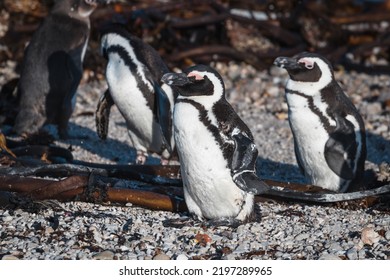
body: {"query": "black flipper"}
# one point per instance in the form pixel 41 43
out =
pixel 243 165
pixel 103 114
pixel 340 148
pixel 326 197
pixel 164 115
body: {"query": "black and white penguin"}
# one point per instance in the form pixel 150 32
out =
pixel 215 148
pixel 133 75
pixel 329 133
pixel 52 67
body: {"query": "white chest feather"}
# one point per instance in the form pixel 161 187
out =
pixel 208 186
pixel 143 130
pixel 310 137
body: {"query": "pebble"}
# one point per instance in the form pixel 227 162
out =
pixel 352 254
pixel 181 257
pixel 302 236
pixel 7 219
pixel 369 236
pixel 327 256
pixel 362 254
pixel 335 247
pixel 374 108
pixel 105 255
pixel 387 235
pixel 161 257
pixel 231 257
pixel 9 258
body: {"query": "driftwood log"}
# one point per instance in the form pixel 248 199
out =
pixel 151 186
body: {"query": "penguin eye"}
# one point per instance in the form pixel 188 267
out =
pixel 307 63
pixel 192 79
pixel 309 66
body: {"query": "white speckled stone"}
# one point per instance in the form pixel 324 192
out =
pixel 182 257
pixel 105 255
pixel 327 256
pixel 161 257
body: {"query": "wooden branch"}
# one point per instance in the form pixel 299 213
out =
pixel 155 174
pixel 78 187
pixel 38 151
pixel 361 18
pixel 198 21
pixel 219 50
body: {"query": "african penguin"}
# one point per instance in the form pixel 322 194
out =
pixel 52 67
pixel 215 148
pixel 329 134
pixel 133 75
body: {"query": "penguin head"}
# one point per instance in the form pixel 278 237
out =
pixel 113 34
pixel 78 8
pixel 85 7
pixel 196 81
pixel 306 67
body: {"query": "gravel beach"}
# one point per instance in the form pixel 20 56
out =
pixel 79 230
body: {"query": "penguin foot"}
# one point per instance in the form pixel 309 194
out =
pixel 141 158
pixel 179 223
pixel 223 222
pixel 194 222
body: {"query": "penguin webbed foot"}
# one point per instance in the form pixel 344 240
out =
pixel 222 222
pixel 179 222
pixel 141 157
pixel 194 221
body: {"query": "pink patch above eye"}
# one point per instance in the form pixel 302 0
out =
pixel 196 75
pixel 309 64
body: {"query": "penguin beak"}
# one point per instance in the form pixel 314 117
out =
pixel 175 79
pixel 287 63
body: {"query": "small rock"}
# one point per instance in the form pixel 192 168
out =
pixel 9 258
pixel 202 239
pixel 302 236
pixel 124 248
pixel 387 235
pixel 105 255
pixel 370 236
pixel 327 256
pixel 352 254
pixel 230 257
pixel 161 257
pixel 335 247
pixel 374 108
pixel 49 230
pixel 7 219
pixel 181 257
pixel 362 254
